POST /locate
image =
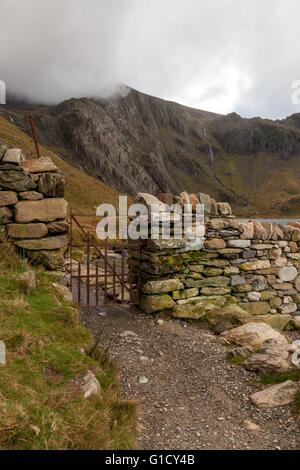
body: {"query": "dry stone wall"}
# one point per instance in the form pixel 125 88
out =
pixel 32 209
pixel 247 271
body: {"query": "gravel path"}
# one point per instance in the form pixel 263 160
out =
pixel 193 398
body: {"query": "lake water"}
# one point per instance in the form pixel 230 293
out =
pixel 276 221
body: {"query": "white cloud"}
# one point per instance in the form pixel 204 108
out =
pixel 222 55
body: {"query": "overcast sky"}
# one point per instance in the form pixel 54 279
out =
pixel 218 55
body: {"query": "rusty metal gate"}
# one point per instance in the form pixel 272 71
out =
pixel 103 281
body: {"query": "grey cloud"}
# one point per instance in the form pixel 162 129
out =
pixel 222 55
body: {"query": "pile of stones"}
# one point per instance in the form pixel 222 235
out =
pixel 247 270
pixel 32 209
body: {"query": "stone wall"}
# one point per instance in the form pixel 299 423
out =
pixel 245 271
pixel 32 209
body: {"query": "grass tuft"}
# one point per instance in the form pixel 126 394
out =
pixel 44 353
pixel 239 359
pixel 271 379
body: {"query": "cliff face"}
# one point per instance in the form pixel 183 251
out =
pixel 137 142
pixel 251 136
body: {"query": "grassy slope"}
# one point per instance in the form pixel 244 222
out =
pixel 272 186
pixel 43 338
pixel 83 192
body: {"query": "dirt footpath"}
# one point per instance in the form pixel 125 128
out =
pixel 189 396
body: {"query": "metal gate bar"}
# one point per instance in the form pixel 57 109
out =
pixel 109 289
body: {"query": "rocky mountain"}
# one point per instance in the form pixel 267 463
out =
pixel 135 142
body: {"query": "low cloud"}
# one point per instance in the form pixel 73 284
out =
pixel 222 55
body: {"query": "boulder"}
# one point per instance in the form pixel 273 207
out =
pixel 263 246
pixel 249 254
pixel 211 272
pixel 247 230
pixel 156 303
pixel 52 185
pixel 149 200
pixel 239 243
pixel 277 233
pixel 238 280
pixel 10 166
pixel 49 243
pixel 172 243
pixel 259 283
pixel 242 289
pixel 206 201
pixel 280 262
pixel 257 308
pixel 6 215
pixel 224 208
pixel 15 180
pixel 185 294
pixel 8 198
pixel 254 296
pixel 287 273
pixel 13 156
pixel 277 395
pixel 274 360
pixel 39 165
pixel 218 281
pixel 64 292
pixel 254 336
pixel 230 253
pixel 52 260
pixel 276 302
pixel 231 270
pixel 233 313
pixel 194 200
pixel 277 321
pixel 38 230
pixel 208 303
pixel 294 224
pixel 268 228
pixel 215 290
pixel 45 210
pixel 240 351
pixel 185 197
pixel 60 226
pixel 214 244
pixel 166 285
pixel 288 308
pixel 215 262
pixel 274 253
pixel 268 294
pixel 166 198
pixel 89 385
pixel 188 311
pixel 296 322
pixel 283 286
pixel 294 247
pixel 259 231
pixel 224 325
pixel 220 224
pixel 297 283
pixel 195 275
pixel 30 196
pixel 255 265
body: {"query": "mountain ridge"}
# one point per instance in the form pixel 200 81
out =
pixel 137 142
